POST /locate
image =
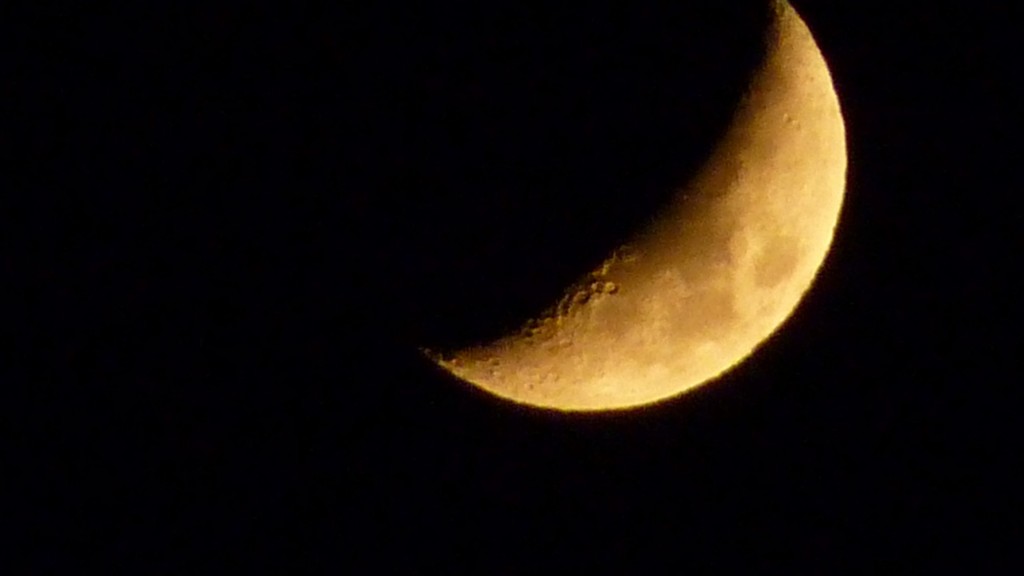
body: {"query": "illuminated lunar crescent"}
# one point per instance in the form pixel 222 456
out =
pixel 715 274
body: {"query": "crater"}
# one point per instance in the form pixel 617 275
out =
pixel 776 261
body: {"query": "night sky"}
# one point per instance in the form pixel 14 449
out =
pixel 235 226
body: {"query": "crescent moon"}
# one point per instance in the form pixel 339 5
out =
pixel 713 276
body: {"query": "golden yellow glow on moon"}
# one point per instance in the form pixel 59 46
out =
pixel 720 270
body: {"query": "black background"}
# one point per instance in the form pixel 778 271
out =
pixel 235 225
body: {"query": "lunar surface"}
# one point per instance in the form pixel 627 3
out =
pixel 715 274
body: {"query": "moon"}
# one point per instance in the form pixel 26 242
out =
pixel 715 273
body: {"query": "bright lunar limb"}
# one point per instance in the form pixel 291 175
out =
pixel 719 270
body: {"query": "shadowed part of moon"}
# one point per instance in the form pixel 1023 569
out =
pixel 524 149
